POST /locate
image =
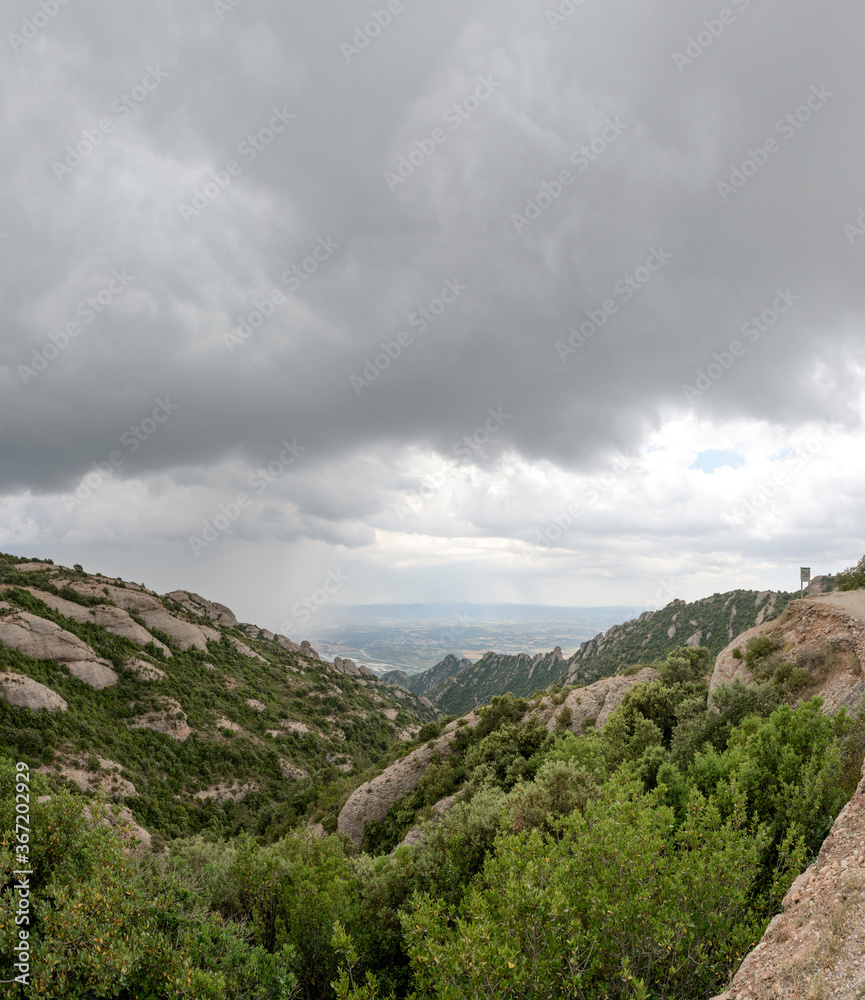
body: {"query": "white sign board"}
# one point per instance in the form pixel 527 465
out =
pixel 805 574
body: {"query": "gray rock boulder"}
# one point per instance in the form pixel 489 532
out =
pixel 27 693
pixel 95 673
pixel 198 605
pixel 113 620
pixel 592 705
pixel 43 640
pixel 372 800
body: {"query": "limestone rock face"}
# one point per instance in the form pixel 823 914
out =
pixel 350 668
pixel 346 666
pixel 114 620
pixel 593 705
pixel 130 597
pixel 242 648
pixel 138 840
pixel 106 780
pixel 171 720
pixel 27 693
pixel 95 673
pixel 186 634
pixel 371 801
pixel 43 640
pixel 198 605
pixel 146 671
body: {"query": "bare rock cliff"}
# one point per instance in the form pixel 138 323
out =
pixel 372 801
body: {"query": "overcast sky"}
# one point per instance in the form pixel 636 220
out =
pixel 465 300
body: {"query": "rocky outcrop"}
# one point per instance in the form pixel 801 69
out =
pixel 146 671
pixel 107 780
pixel 24 692
pixel 43 640
pixel 170 720
pixel 113 620
pixel 245 650
pixel 223 792
pixel 372 800
pixel 592 705
pixel 197 605
pixel 816 946
pixel 350 668
pixel 186 634
pixel 834 621
pixel 94 673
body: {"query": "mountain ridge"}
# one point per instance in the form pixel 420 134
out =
pixel 710 621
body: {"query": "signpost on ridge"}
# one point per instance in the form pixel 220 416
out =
pixel 804 577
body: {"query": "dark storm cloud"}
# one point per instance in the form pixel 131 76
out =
pixel 393 172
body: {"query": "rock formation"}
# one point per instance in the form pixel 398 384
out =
pixel 197 605
pixel 170 719
pixel 372 800
pixel 27 693
pixel 594 704
pixel 835 622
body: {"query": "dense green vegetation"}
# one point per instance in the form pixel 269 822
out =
pixel 653 636
pixel 718 618
pixel 290 774
pixel 644 860
pixel 852 578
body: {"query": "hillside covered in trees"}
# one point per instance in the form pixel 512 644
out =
pixel 543 849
